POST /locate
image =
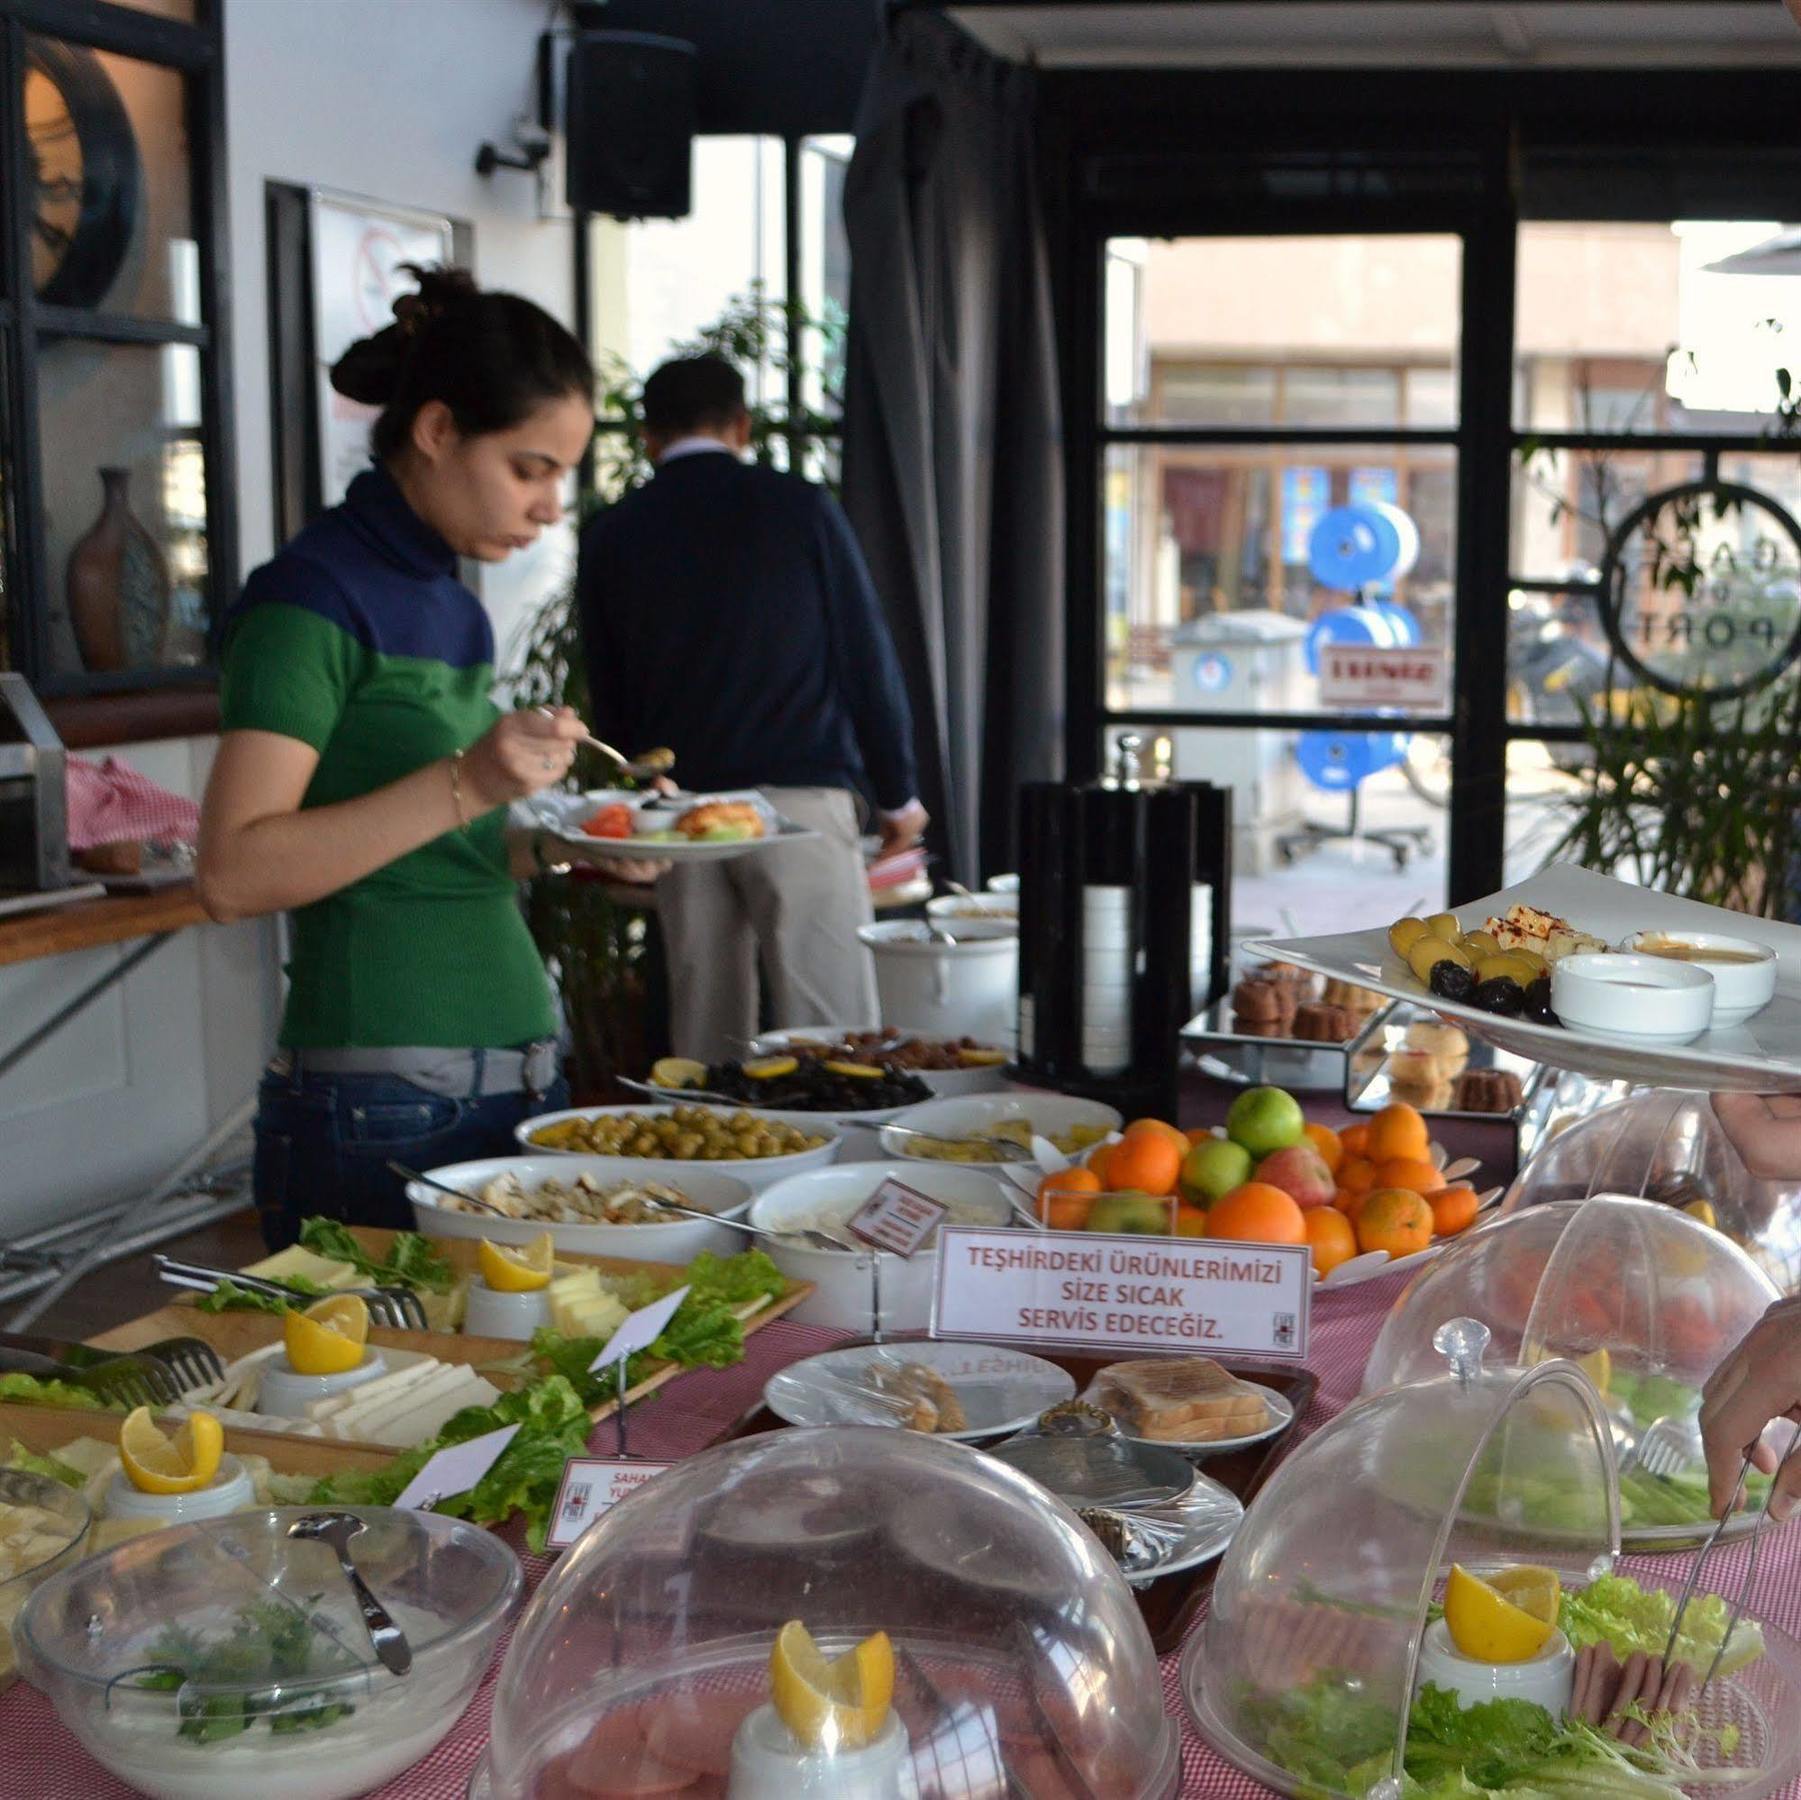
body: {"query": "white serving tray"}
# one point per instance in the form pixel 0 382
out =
pixel 1760 1055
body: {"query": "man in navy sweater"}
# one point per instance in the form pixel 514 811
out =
pixel 726 612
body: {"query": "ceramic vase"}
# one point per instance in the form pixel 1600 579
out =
pixel 118 585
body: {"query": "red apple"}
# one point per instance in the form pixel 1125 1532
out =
pixel 1301 1173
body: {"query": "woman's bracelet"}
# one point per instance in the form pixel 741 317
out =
pixel 456 789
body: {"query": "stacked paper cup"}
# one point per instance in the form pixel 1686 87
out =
pixel 1107 966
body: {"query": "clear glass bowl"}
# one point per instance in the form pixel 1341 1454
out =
pixel 1022 1665
pixel 1647 1299
pixel 73 1515
pixel 223 1658
pixel 1669 1147
pixel 1304 1675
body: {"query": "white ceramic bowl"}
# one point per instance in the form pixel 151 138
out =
pixel 1545 1679
pixel 1646 997
pixel 756 1172
pixel 841 1295
pixel 229 1491
pixel 988 1080
pixel 286 1393
pixel 707 1185
pixel 1002 884
pixel 488 1312
pixel 978 1113
pixel 1739 988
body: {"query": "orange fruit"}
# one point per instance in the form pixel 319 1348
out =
pixel 1257 1213
pixel 1396 1220
pixel 1328 1143
pixel 1333 1237
pixel 1191 1221
pixel 1356 1174
pixel 1404 1172
pixel 1199 1135
pixel 1143 1162
pixel 1175 1135
pixel 1350 1204
pixel 1453 1210
pixel 1065 1197
pixel 1397 1132
pixel 1355 1139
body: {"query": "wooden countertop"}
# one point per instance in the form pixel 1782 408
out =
pixel 88 924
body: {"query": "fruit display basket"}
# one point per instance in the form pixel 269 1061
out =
pixel 1392 1581
pixel 1647 1299
pixel 1670 1147
pixel 847 1611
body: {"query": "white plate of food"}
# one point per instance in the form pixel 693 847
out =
pixel 1761 1054
pixel 679 828
pixel 844 1088
pixel 948 1066
pixel 1189 1404
pixel 662 1141
pixel 950 1126
pixel 922 1386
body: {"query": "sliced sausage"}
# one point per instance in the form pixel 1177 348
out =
pixel 1630 1682
pixel 1603 1683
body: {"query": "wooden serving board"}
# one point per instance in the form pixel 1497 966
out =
pixel 1168 1606
pixel 235 1334
pixel 45 1429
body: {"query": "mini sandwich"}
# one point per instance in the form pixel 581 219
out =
pixel 1188 1399
pixel 921 1397
pixel 1529 928
pixel 721 821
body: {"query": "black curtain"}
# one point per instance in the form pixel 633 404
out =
pixel 952 457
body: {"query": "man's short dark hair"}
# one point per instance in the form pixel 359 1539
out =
pixel 693 393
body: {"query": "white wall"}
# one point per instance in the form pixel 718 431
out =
pixel 387 99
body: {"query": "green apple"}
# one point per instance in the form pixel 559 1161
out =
pixel 1143 1214
pixel 1215 1166
pixel 1265 1119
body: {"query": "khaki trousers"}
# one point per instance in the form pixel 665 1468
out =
pixel 798 906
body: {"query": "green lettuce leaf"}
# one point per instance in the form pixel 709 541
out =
pixel 229 1297
pixel 1490 1745
pixel 29 1462
pixel 1617 1611
pixel 412 1260
pixel 30 1390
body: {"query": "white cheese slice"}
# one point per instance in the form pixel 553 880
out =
pixel 429 1416
pixel 395 1381
pixel 309 1265
pixel 379 1418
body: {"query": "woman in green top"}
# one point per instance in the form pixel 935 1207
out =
pixel 363 771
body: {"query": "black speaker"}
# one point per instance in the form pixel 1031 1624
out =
pixel 631 118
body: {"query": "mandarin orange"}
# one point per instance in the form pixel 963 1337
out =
pixel 1396 1220
pixel 1328 1143
pixel 1355 1139
pixel 1398 1131
pixel 1332 1237
pixel 1257 1213
pixel 1144 1162
pixel 1420 1175
pixel 1453 1210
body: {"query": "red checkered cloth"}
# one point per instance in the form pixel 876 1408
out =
pixel 111 804
pixel 39 1759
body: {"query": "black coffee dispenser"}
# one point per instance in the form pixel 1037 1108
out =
pixel 1124 932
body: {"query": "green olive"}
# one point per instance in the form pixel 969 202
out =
pixel 1445 925
pixel 1430 951
pixel 1480 943
pixel 1403 934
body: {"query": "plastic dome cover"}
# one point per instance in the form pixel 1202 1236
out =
pixel 1668 1146
pixel 1304 1673
pixel 1021 1664
pixel 1648 1300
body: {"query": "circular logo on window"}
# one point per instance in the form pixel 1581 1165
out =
pixel 1701 590
pixel 1212 672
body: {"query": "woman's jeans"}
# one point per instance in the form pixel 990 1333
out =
pixel 323 1143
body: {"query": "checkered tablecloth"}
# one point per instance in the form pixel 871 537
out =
pixel 39 1760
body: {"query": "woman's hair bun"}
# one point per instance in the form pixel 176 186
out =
pixel 369 371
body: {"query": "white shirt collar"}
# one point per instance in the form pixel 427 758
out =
pixel 697 445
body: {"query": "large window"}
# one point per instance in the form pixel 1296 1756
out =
pixel 116 523
pixel 766 225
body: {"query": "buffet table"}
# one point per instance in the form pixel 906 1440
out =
pixel 40 1759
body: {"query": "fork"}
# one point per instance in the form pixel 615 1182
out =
pixel 1665 1447
pixel 191 1360
pixel 129 1379
pixel 398 1308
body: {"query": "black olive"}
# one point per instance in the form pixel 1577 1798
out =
pixel 1502 994
pixel 1542 1016
pixel 1452 980
pixel 1538 994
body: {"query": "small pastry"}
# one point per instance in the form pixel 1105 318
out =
pixel 1320 1023
pixel 1487 1091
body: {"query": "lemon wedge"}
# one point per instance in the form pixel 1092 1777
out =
pixel 678 1072
pixel 836 1704
pixel 767 1068
pixel 155 1464
pixel 328 1338
pixel 1597 1365
pixel 1506 1619
pixel 518 1268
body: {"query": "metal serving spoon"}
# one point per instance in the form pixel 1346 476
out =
pixel 339 1529
pixel 407 1174
pixel 820 1240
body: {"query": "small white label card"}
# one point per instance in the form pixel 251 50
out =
pixel 1183 1296
pixel 640 1330
pixel 590 1486
pixel 896 1217
pixel 456 1470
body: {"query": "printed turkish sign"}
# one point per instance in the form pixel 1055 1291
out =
pixel 592 1485
pixel 1185 1296
pixel 896 1217
pixel 1364 676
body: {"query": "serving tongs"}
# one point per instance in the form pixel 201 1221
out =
pixel 128 1379
pixel 1707 1549
pixel 398 1308
pixel 192 1361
